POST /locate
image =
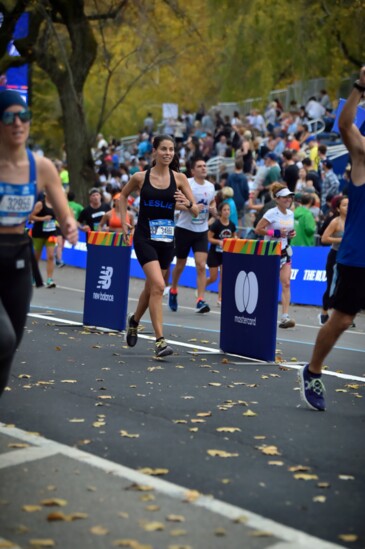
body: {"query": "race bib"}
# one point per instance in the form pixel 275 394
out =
pixel 49 226
pixel 219 249
pixel 162 230
pixel 201 217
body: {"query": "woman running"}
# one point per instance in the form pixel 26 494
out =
pixel 219 230
pixel 161 187
pixel 278 224
pixel 22 177
pixel 333 236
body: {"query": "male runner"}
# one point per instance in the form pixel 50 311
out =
pixel 191 232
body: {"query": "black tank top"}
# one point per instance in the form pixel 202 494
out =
pixel 156 211
pixel 43 229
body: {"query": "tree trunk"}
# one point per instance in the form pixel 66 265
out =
pixel 79 159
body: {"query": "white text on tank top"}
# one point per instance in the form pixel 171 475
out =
pixel 203 194
pixel 279 221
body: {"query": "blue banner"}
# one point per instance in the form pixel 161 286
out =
pixel 249 305
pixel 16 78
pixel 106 286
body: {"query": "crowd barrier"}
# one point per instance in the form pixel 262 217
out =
pixel 107 281
pixel 249 297
pixel 308 278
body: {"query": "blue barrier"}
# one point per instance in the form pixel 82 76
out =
pixel 308 278
pixel 107 281
pixel 249 298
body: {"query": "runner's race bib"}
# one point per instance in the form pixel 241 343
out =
pixel 162 230
pixel 49 226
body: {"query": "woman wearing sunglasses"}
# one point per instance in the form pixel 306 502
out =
pixel 22 177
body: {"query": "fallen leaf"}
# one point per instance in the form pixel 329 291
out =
pixel 76 420
pixel 204 414
pixel 346 477
pixel 140 487
pixel 24 376
pixel 99 530
pixel 131 543
pixel 31 508
pixel 191 495
pixel 177 421
pixel 297 468
pixel 18 445
pixel 194 429
pixel 319 499
pixel 249 413
pixel 152 526
pixel 42 542
pixel 153 472
pixel 57 502
pixel 175 518
pixel 277 463
pixel 228 429
pixel 68 380
pixel 323 484
pixel 152 508
pixel 104 397
pixel 260 534
pixel 4 544
pixel 178 532
pixel 220 532
pixel 221 453
pixel 348 538
pixel 214 384
pixel 269 450
pixel 242 519
pixel 128 435
pixel 305 476
pixel 99 424
pixel 197 420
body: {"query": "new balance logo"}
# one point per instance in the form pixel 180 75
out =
pixel 105 278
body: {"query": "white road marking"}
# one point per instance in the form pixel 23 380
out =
pixel 232 512
pixel 192 346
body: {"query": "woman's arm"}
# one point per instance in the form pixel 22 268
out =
pixel 135 183
pixel 49 180
pixel 261 228
pixel 332 228
pixel 184 187
pixel 104 221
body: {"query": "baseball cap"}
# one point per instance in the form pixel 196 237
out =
pixel 271 155
pixel 328 164
pixel 94 190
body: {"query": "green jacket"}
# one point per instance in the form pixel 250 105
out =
pixel 304 226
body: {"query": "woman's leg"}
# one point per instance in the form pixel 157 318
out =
pixel 285 272
pixel 213 275
pixel 14 307
pixel 152 296
pixel 331 261
pixel 50 248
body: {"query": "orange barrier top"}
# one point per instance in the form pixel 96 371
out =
pixel 252 247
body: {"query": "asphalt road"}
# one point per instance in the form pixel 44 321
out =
pixel 229 428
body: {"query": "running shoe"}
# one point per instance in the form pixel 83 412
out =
pixel 202 307
pixel 132 335
pixel 322 319
pixel 173 301
pixel 287 323
pixel 162 349
pixel 312 389
pixel 60 264
pixel 50 283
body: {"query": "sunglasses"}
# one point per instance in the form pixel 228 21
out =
pixel 8 118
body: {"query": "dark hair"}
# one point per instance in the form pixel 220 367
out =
pixel 306 199
pixel 238 164
pixel 194 160
pixel 175 162
pixel 70 196
pixel 305 126
pixel 221 206
pixel 322 149
pixel 287 154
pixel 306 161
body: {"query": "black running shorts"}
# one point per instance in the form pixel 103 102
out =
pixel 348 289
pixel 186 240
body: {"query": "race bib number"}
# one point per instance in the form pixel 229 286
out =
pixel 219 249
pixel 201 217
pixel 162 230
pixel 49 226
pixel 17 204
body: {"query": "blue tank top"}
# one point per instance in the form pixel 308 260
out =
pixel 17 199
pixel 352 247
